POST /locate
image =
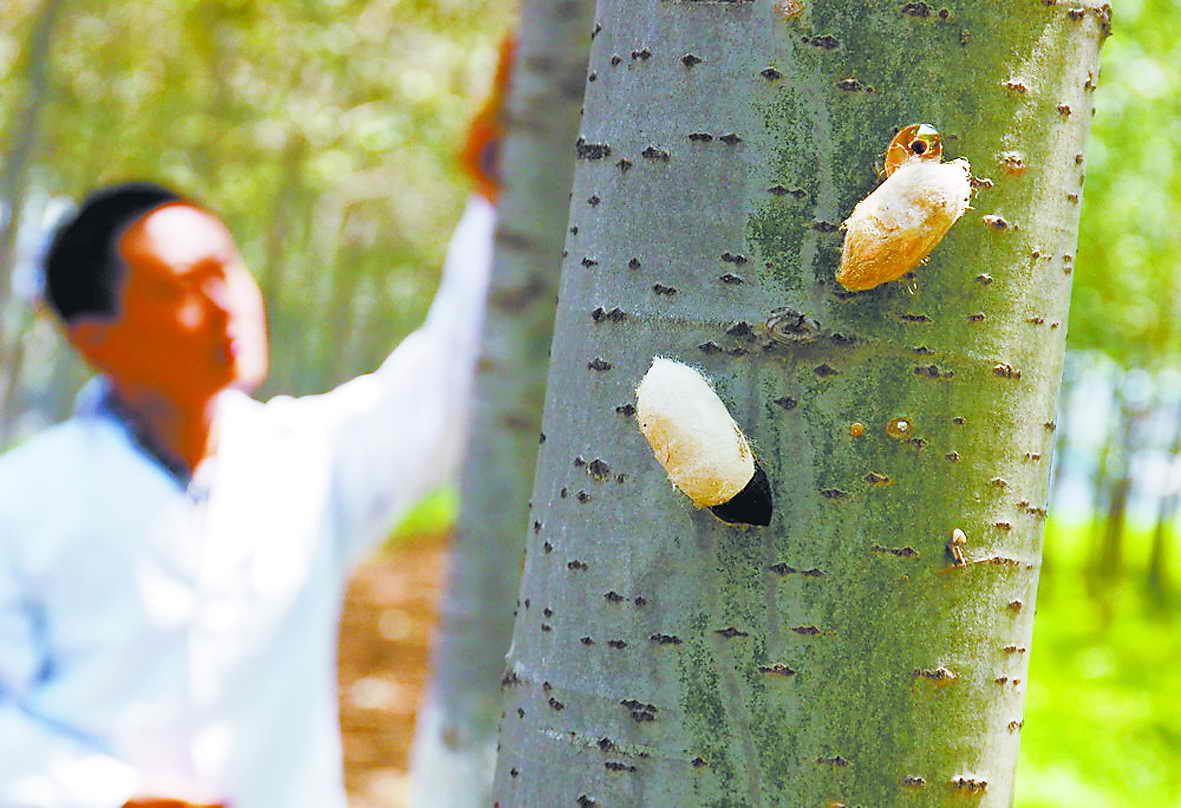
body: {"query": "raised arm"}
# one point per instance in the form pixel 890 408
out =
pixel 398 433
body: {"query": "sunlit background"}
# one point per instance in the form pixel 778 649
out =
pixel 325 133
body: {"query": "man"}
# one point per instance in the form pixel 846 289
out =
pixel 172 558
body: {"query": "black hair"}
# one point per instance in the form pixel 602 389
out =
pixel 82 266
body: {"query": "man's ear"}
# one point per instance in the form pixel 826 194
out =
pixel 90 338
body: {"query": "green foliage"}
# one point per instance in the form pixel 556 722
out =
pixel 1103 710
pixel 434 516
pixel 1126 286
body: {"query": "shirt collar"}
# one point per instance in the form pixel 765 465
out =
pixel 97 399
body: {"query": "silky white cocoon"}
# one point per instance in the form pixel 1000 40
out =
pixel 692 434
pixel 902 221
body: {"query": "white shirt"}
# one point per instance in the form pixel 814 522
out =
pixel 179 640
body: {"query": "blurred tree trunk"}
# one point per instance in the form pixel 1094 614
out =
pixel 1158 558
pixel 455 744
pixel 340 320
pixel 14 363
pixel 1162 533
pixel 24 133
pixel 1102 485
pixel 661 657
pixel 283 214
pixel 1070 374
pixel 286 242
pixel 1111 547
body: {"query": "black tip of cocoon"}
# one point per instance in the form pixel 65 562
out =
pixel 751 505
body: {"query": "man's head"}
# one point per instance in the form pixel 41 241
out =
pixel 153 293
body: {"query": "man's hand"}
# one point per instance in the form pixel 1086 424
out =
pixel 163 802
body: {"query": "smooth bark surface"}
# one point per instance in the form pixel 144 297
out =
pixel 1162 532
pixel 24 134
pixel 455 744
pixel 839 656
pixel 15 317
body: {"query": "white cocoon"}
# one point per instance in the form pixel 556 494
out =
pixel 692 434
pixel 897 226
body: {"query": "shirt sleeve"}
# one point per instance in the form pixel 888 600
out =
pixel 399 432
pixel 43 763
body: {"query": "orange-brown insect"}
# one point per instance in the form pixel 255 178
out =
pixel 898 225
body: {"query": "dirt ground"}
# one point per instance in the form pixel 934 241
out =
pixel 384 653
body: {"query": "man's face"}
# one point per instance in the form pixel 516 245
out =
pixel 189 318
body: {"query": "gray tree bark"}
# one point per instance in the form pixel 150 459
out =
pixel 1110 552
pixel 455 743
pixel 1162 532
pixel 14 364
pixel 839 656
pixel 24 133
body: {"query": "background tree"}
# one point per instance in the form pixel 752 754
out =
pixel 1157 577
pixel 661 657
pixel 15 322
pixel 455 747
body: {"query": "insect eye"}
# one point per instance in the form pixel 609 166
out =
pixel 926 143
pixel 919 140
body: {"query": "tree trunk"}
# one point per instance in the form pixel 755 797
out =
pixel 1158 557
pixel 455 744
pixel 1111 549
pixel 837 657
pixel 10 388
pixel 1073 370
pixel 1103 485
pixel 1070 373
pixel 24 132
pixel 283 213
